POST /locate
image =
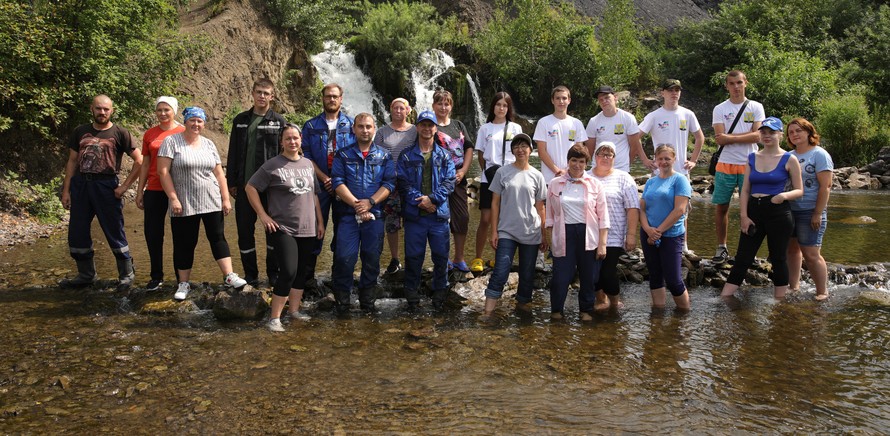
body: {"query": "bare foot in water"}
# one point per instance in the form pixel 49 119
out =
pixel 822 297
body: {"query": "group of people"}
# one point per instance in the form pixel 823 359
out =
pixel 372 183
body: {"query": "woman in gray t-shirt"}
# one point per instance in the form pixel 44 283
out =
pixel 518 189
pixel 292 218
pixel 193 179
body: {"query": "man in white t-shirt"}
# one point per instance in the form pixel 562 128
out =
pixel 619 127
pixel 555 134
pixel 671 124
pixel 736 147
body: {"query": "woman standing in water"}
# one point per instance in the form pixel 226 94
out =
pixel 519 191
pixel 623 202
pixel 577 229
pixel 293 221
pixel 764 209
pixel 150 196
pixel 454 137
pixel 494 151
pixel 662 218
pixel 192 176
pixel 810 211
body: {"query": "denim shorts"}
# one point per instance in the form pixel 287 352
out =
pixel 806 236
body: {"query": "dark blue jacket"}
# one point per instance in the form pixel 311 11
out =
pixel 410 180
pixel 363 175
pixel 315 139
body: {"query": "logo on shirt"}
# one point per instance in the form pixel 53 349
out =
pixel 619 129
pixel 509 136
pixel 572 135
pixel 299 186
pixel 600 130
pixel 748 117
pixel 552 133
pixel 729 116
pixel 664 125
pixel 683 125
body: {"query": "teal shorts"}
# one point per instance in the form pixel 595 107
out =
pixel 724 185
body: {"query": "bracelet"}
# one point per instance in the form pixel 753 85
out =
pixel 371 200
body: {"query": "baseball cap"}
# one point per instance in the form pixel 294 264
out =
pixel 522 137
pixel 426 115
pixel 671 83
pixel 772 123
pixel 603 90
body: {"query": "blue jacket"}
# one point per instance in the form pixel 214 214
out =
pixel 315 139
pixel 410 176
pixel 363 175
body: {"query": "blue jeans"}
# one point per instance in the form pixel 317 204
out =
pixel 95 198
pixel 417 232
pixel 351 239
pixel 503 260
pixel 576 259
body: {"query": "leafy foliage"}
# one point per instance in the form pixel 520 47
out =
pixel 38 200
pixel 315 21
pixel 849 131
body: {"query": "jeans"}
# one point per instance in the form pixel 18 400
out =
pixel 806 236
pixel 503 261
pixel 576 259
pixel 353 239
pixel 773 222
pixel 324 200
pixel 417 232
pixel 95 198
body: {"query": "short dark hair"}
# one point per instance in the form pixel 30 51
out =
pixel 560 88
pixel 330 86
pixel 578 151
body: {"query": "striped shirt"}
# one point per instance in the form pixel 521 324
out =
pixel 192 174
pixel 621 194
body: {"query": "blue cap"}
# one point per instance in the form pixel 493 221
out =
pixel 772 123
pixel 426 115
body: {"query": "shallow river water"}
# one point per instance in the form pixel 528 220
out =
pixel 81 361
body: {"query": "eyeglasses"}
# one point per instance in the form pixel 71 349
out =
pixel 331 97
pixel 606 155
pixel 263 93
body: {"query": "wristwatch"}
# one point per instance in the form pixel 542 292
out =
pixel 371 200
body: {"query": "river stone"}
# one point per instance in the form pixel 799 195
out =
pixel 249 303
pixel 475 289
pixel 863 181
pixel 859 220
pixel 879 297
pixel 167 307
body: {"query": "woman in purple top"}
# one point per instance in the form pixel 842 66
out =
pixel 764 209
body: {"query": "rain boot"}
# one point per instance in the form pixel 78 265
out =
pixel 86 275
pixel 126 274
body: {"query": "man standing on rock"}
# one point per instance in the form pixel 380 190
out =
pixel 670 125
pixel 394 138
pixel 322 136
pixel 363 176
pixel 254 140
pixel 619 127
pixel 425 182
pixel 736 122
pixel 91 189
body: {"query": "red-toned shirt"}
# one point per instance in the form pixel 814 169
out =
pixel 151 143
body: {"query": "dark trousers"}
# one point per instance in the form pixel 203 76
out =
pixel 354 239
pixel 95 198
pixel 608 279
pixel 325 200
pixel 291 252
pixel 665 263
pixel 185 237
pixel 578 259
pixel 773 222
pixel 419 231
pixel 155 218
pixel 245 220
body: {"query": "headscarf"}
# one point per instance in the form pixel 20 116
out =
pixel 193 111
pixel 170 101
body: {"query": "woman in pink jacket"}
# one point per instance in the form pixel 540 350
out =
pixel 577 228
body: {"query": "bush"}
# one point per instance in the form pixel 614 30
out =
pixel 314 21
pixel 848 132
pixel 41 201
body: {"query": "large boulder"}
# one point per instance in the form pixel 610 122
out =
pixel 863 181
pixel 247 303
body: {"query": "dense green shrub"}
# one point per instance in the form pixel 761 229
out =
pixel 621 55
pixel 41 201
pixel 869 46
pixel 315 21
pixel 848 130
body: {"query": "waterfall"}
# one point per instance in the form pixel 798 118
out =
pixel 432 65
pixel 477 101
pixel 336 65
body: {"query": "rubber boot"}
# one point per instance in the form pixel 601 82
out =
pixel 126 274
pixel 86 275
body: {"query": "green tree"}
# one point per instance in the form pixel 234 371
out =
pixel 620 51
pixel 315 21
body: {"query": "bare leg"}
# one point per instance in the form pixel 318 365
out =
pixel 818 270
pixel 721 222
pixel 490 305
pixel 277 306
pixel 779 292
pixel 225 265
pixel 682 301
pixel 794 265
pixel 615 302
pixel 392 239
pixel 658 297
pixel 460 241
pixel 184 275
pixel 729 290
pixel 482 232
pixel 295 298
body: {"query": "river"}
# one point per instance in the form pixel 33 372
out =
pixel 82 361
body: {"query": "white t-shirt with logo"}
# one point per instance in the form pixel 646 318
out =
pixel 560 135
pixel 490 141
pixel 671 127
pixel 614 129
pixel 725 113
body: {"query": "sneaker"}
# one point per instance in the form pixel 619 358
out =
pixel 461 266
pixel 234 281
pixel 721 256
pixel 477 265
pixel 300 316
pixel 153 285
pixel 182 291
pixel 540 264
pixel 274 325
pixel 394 267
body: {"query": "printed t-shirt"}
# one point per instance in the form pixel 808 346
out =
pixel 560 135
pixel 455 138
pixel 614 129
pixel 673 128
pixel 100 151
pixel 290 190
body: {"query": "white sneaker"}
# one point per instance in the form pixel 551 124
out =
pixel 234 281
pixel 300 316
pixel 274 325
pixel 541 264
pixel 182 291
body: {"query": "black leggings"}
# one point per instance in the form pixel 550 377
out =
pixel 155 217
pixel 774 222
pixel 293 254
pixel 608 280
pixel 185 237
